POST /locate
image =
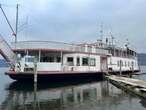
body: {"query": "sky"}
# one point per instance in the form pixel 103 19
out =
pixel 76 21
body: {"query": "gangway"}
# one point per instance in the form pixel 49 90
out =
pixel 7 52
pixel 132 85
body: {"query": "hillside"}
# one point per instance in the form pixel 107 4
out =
pixel 3 63
pixel 142 58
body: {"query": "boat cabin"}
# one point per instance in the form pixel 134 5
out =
pixel 75 58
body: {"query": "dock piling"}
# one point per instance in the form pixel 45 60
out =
pixel 120 67
pixel 35 70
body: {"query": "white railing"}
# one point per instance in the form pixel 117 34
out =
pixel 57 46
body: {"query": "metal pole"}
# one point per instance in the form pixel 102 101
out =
pixel 39 55
pixel 120 67
pixel 7 20
pixel 35 71
pixel 132 69
pixel 35 96
pixel 16 23
pixel 61 56
pixel 101 32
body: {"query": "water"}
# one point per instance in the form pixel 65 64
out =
pixel 99 95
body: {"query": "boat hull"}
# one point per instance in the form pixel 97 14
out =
pixel 57 76
pixel 62 76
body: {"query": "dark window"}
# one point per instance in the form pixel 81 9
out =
pixel 70 61
pixel 47 59
pixel 43 59
pixel 58 59
pixel 50 59
pixel 29 59
pixel 85 61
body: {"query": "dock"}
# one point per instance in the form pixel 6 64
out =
pixel 135 86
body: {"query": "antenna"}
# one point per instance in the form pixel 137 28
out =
pixel 127 43
pixel 101 32
pixel 112 38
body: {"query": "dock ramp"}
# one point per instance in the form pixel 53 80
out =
pixel 135 86
pixel 7 52
pixel 129 81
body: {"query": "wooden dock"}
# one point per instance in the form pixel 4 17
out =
pixel 135 86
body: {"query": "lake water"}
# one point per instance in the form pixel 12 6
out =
pixel 99 95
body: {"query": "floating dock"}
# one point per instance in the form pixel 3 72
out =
pixel 135 86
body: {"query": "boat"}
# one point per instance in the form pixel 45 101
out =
pixel 57 60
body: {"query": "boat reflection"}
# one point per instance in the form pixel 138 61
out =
pixel 62 96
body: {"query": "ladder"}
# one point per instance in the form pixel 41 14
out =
pixel 7 52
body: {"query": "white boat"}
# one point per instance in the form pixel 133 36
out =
pixel 56 59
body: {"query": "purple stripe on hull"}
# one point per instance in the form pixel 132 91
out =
pixel 56 77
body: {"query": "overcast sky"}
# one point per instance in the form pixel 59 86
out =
pixel 77 20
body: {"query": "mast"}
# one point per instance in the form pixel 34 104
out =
pixel 112 43
pixel 7 20
pixel 16 23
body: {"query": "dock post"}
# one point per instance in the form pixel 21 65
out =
pixel 61 58
pixel 35 70
pixel 120 67
pixel 35 96
pixel 132 70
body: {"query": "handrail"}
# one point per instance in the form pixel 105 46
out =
pixel 7 52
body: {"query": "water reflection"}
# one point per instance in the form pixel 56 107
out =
pixel 64 96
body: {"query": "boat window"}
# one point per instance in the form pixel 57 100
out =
pixel 44 59
pixel 58 59
pixel 29 59
pixel 92 62
pixel 70 61
pixel 85 61
pixel 50 59
pixel 89 49
pixel 78 61
pixel 47 59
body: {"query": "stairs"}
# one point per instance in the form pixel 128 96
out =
pixel 7 52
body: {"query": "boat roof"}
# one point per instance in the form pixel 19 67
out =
pixel 54 46
pixel 58 46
